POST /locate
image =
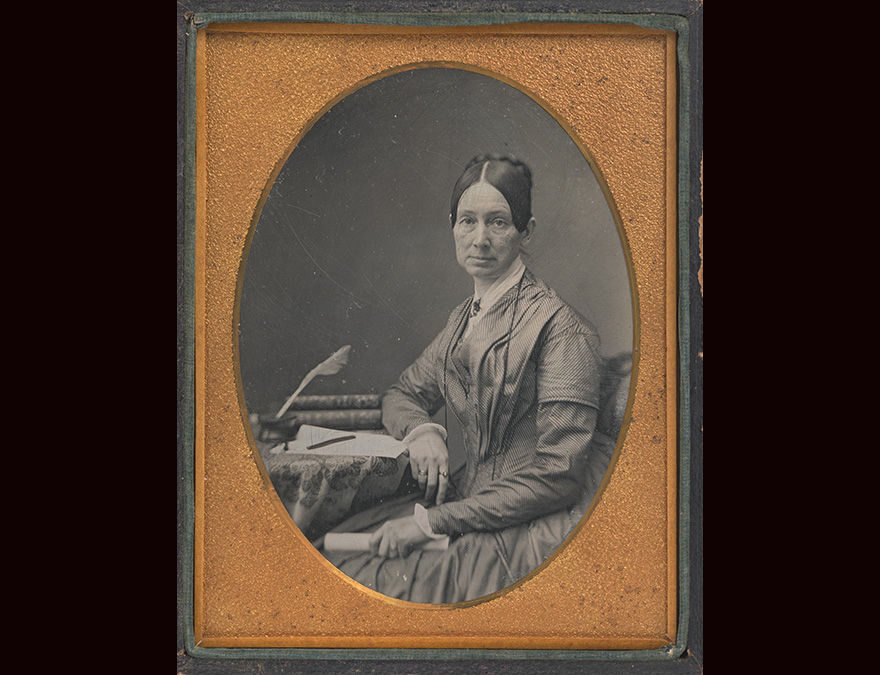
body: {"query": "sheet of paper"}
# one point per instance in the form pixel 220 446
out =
pixel 355 443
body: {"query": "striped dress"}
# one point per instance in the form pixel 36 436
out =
pixel 524 386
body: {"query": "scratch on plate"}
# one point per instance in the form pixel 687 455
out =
pixel 387 304
pixel 323 271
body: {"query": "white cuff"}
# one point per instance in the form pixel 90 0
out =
pixel 420 513
pixel 422 428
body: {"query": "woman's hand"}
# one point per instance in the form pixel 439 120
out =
pixel 429 464
pixel 396 538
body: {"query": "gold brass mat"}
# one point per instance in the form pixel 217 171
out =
pixel 257 581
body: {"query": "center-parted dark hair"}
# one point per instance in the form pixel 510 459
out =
pixel 511 177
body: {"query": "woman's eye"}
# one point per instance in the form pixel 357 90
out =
pixel 499 223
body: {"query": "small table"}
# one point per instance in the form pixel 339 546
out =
pixel 319 490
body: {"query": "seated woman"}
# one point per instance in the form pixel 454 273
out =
pixel 519 369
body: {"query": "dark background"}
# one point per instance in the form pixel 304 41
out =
pixel 354 246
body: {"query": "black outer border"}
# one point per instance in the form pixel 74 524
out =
pixel 690 660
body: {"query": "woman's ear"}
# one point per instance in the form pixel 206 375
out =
pixel 451 222
pixel 528 231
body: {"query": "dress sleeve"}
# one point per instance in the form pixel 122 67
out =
pixel 553 481
pixel 416 396
pixel 567 393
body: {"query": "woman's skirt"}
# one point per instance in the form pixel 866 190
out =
pixel 475 564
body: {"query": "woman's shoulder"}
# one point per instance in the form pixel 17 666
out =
pixel 455 320
pixel 561 315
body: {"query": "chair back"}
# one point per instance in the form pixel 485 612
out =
pixel 614 393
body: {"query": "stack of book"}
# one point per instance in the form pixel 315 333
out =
pixel 341 411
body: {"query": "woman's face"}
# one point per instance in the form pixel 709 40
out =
pixel 486 240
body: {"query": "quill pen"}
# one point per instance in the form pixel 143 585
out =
pixel 331 366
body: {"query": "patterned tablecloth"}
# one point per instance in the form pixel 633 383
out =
pixel 319 490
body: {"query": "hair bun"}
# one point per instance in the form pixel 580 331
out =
pixel 493 157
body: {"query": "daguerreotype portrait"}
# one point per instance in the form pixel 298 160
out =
pixel 435 392
pixel 438 257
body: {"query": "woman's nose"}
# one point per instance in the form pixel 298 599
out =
pixel 481 235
